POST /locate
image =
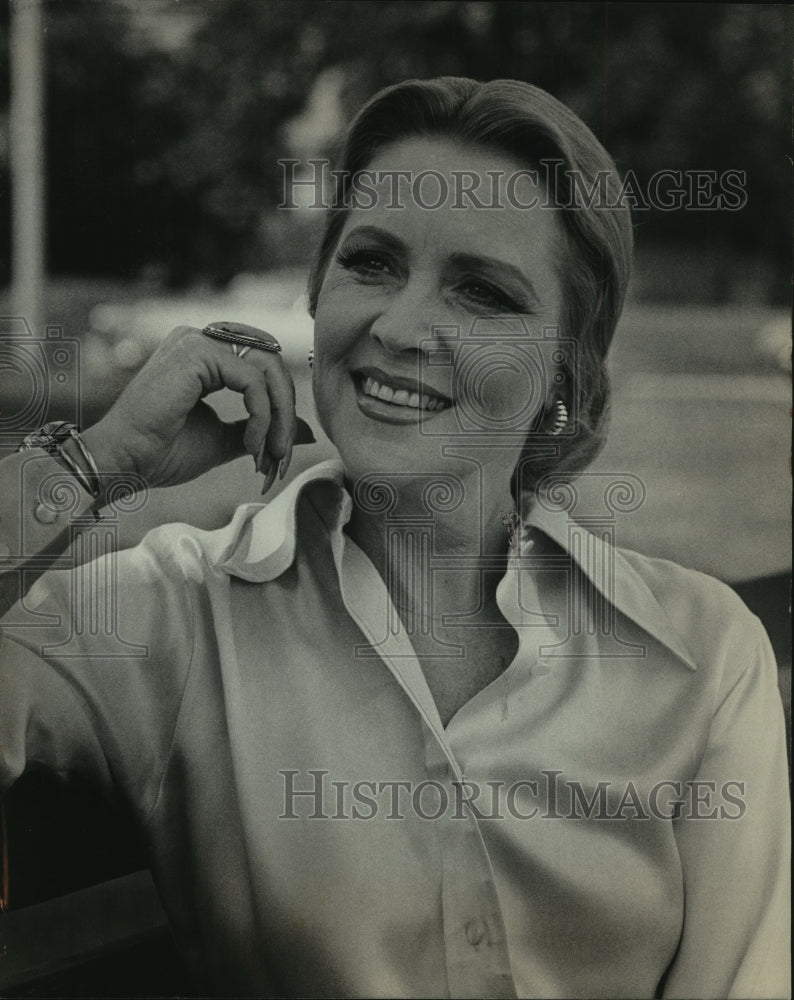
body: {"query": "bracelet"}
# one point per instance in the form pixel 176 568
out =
pixel 51 437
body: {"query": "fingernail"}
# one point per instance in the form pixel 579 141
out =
pixel 270 477
pixel 260 456
pixel 282 469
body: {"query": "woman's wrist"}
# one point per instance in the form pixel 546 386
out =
pixel 113 464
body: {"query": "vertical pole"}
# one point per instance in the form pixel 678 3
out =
pixel 27 161
pixel 26 126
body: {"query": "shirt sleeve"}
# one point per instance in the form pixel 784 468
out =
pixel 93 664
pixel 733 839
pixel 39 501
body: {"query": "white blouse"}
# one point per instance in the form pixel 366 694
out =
pixel 608 818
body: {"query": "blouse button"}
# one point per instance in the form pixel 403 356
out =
pixel 476 932
pixel 45 515
pixel 541 669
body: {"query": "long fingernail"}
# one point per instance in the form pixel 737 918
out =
pixel 270 476
pixel 282 469
pixel 260 456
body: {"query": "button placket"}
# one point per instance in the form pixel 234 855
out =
pixel 478 962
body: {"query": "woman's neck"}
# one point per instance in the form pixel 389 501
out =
pixel 411 542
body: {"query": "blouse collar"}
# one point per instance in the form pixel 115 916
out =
pixel 260 542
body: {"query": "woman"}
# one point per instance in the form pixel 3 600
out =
pixel 408 730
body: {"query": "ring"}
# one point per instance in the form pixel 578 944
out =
pixel 242 337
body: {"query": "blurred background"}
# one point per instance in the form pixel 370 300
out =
pixel 156 186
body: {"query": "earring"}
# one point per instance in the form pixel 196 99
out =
pixel 310 358
pixel 560 418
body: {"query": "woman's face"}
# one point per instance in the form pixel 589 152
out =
pixel 430 323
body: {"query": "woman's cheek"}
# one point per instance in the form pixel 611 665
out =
pixel 513 397
pixel 331 335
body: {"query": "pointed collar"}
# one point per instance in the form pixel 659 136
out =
pixel 259 545
pixel 624 588
pixel 262 537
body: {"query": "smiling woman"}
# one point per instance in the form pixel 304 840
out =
pixel 410 284
pixel 410 729
pixel 529 152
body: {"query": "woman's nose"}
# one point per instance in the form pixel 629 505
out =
pixel 408 321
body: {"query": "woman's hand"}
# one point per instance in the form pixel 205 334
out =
pixel 160 428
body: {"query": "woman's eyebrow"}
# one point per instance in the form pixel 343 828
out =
pixel 498 268
pixel 382 236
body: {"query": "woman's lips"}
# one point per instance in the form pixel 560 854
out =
pixel 392 400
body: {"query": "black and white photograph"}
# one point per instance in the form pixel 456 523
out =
pixel 395 499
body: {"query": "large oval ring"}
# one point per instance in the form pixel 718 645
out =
pixel 242 337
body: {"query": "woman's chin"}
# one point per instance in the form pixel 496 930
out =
pixel 372 456
pixel 374 436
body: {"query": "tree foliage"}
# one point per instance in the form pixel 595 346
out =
pixel 167 158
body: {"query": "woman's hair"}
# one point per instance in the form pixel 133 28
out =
pixel 533 128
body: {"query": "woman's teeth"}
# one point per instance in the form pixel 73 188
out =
pixel 402 397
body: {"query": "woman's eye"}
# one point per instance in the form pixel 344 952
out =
pixel 485 294
pixel 367 263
